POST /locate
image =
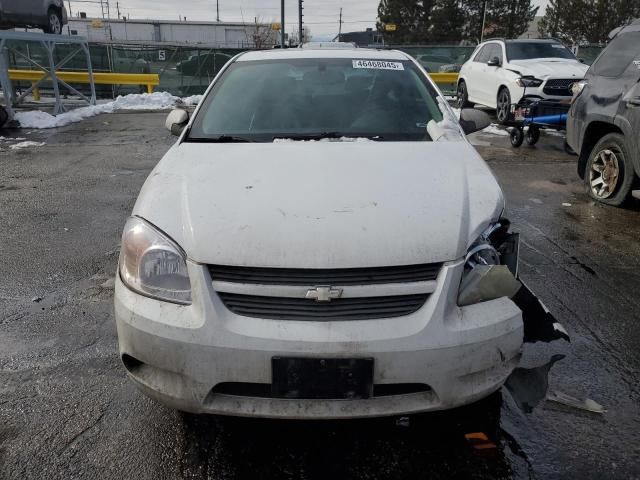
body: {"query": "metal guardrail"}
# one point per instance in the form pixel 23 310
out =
pixel 150 80
pixel 444 78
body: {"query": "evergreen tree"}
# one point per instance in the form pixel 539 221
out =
pixel 411 18
pixel 503 18
pixel 577 21
pixel 447 21
pixel 510 18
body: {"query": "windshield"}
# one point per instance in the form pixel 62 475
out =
pixel 530 50
pixel 306 99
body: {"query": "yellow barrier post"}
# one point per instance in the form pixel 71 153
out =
pixel 36 92
pixel 149 79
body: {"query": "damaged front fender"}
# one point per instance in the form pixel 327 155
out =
pixel 491 271
pixel 539 323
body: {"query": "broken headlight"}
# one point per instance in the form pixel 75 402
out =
pixel 152 264
pixel 491 266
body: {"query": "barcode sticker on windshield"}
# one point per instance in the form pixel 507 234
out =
pixel 378 65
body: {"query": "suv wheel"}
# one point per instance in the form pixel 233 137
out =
pixel 54 24
pixel 503 106
pixel 462 96
pixel 609 175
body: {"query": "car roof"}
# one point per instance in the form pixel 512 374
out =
pixel 356 53
pixel 522 40
pixel 632 27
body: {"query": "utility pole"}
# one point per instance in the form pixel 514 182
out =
pixel 118 9
pixel 484 18
pixel 340 27
pixel 282 34
pixel 301 38
pixel 218 11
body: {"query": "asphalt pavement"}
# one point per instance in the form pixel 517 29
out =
pixel 67 409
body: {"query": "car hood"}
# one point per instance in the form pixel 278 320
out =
pixel 322 204
pixel 552 67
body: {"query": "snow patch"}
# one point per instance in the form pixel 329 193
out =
pixel 495 129
pixel 135 101
pixel 192 100
pixel 11 139
pixel 26 144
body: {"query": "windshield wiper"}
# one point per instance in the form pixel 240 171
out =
pixel 324 135
pixel 220 139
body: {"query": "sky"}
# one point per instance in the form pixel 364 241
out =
pixel 320 16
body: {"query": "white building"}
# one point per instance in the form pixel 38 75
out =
pixel 222 35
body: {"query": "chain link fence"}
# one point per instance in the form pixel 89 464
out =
pixel 188 70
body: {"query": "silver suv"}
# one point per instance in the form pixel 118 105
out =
pixel 49 15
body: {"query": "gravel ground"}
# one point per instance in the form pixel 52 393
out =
pixel 68 411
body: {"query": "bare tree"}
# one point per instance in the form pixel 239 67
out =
pixel 259 34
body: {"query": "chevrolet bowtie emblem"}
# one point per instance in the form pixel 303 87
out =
pixel 323 294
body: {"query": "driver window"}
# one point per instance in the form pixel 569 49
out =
pixel 483 55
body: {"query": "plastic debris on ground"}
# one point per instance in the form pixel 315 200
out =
pixel 586 405
pixel 138 101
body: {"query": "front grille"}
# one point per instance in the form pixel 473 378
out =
pixel 333 277
pixel 281 308
pixel 559 87
pixel 263 390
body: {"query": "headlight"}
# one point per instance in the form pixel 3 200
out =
pixel 528 82
pixel 491 266
pixel 152 264
pixel 577 88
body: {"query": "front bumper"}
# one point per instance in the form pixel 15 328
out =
pixel 534 93
pixel 179 354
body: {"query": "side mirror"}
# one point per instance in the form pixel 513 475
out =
pixel 472 120
pixel 494 62
pixel 176 121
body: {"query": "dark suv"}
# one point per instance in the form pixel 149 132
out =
pixel 604 121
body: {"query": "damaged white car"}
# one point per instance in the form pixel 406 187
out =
pixel 322 242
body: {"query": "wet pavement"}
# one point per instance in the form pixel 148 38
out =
pixel 68 411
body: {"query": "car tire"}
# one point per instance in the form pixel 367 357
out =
pixel 54 22
pixel 503 106
pixel 609 175
pixel 462 96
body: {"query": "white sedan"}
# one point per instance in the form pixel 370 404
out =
pixel 321 242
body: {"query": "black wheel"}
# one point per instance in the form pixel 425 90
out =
pixel 517 137
pixel 462 96
pixel 503 106
pixel 54 22
pixel 609 174
pixel 533 135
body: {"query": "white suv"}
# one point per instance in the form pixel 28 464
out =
pixel 492 76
